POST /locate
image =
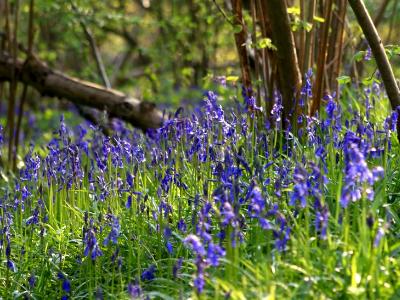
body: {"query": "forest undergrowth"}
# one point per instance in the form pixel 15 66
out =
pixel 220 202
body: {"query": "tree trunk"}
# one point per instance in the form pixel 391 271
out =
pixel 288 68
pixel 240 39
pixel 52 83
pixel 375 43
pixel 321 61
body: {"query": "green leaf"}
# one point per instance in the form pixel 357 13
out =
pixel 319 19
pixel 237 28
pixel 344 79
pixel 307 26
pixel 359 56
pixel 232 79
pixel 294 10
pixel 265 43
pixel 370 80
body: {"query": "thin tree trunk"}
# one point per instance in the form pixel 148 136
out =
pixel 25 88
pixel 336 71
pixel 309 44
pixel 13 86
pixel 361 43
pixel 288 68
pixel 94 49
pixel 56 84
pixel 240 39
pixel 392 20
pixel 319 80
pixel 375 43
pixel 334 58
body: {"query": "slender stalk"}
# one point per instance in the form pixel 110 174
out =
pixel 25 88
pixel 13 86
pixel 342 15
pixel 240 40
pixel 302 34
pixel 95 50
pixel 392 20
pixel 322 59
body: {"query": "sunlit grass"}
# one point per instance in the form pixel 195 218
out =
pixel 112 222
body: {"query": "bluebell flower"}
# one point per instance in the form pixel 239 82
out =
pixel 34 219
pixel 167 234
pixel 214 253
pixel 134 290
pixel 182 226
pixel 378 237
pixel 91 245
pixel 228 215
pixel 114 233
pixel 66 285
pixel 194 242
pixel 368 54
pixel 11 265
pixel 257 202
pixel 177 266
pixel 277 108
pixel 199 282
pixel 128 203
pixel 129 179
pixel 321 221
pixel 300 189
pixel 252 106
pixel 32 280
pixel 306 90
pixel 282 234
pixel 148 274
pixel 358 177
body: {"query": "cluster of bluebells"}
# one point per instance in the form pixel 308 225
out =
pixel 200 177
pixel 205 256
pixel 359 178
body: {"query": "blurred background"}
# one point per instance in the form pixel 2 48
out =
pixel 170 52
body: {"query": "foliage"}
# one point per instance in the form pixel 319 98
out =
pixel 210 205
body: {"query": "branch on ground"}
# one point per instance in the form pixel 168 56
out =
pixel 52 83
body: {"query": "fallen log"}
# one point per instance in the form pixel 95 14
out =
pixel 52 83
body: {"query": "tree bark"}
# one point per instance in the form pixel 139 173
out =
pixel 375 43
pixel 288 68
pixel 52 83
pixel 321 61
pixel 240 40
pixel 361 43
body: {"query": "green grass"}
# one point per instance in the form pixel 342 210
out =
pixel 345 265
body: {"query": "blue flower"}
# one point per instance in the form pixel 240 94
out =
pixel 114 233
pixel 358 177
pixel 32 280
pixel 148 274
pixel 378 237
pixel 321 221
pixel 199 283
pixel 128 203
pixel 91 246
pixel 177 266
pixel 134 290
pixel 257 202
pixel 182 226
pixel 300 189
pixel 214 253
pixel 195 243
pixel 66 285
